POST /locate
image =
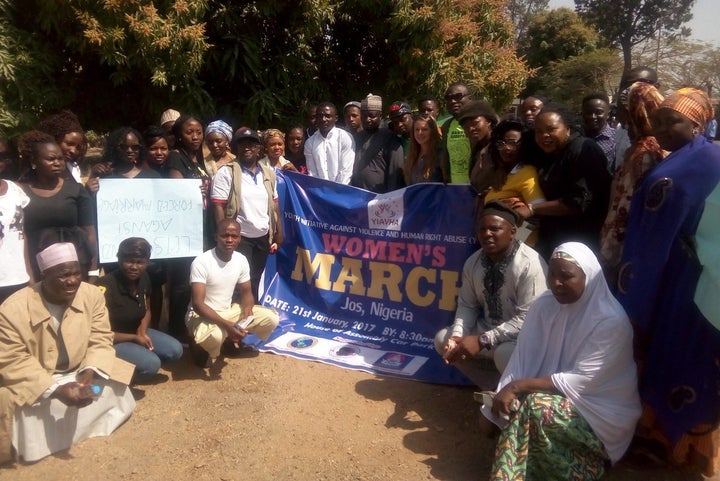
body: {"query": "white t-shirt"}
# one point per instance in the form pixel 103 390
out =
pixel 12 243
pixel 253 217
pixel 219 277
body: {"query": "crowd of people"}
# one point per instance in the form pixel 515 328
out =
pixel 589 329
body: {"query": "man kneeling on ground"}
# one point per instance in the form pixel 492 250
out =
pixel 213 317
pixel 499 283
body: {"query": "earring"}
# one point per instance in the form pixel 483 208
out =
pixel 695 131
pixel 33 167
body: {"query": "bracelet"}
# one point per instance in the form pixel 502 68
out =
pixel 95 273
pixel 530 208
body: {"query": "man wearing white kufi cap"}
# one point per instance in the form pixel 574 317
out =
pixel 56 346
pixel 379 155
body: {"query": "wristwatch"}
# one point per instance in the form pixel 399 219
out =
pixel 486 342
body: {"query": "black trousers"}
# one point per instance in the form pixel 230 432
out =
pixel 256 252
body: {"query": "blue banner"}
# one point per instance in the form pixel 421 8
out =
pixel 364 280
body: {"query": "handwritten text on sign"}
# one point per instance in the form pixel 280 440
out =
pixel 168 213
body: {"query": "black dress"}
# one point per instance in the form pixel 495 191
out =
pixel 60 218
pixel 577 175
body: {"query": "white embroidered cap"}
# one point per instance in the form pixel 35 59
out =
pixel 56 254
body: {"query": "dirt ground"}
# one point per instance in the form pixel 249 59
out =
pixel 268 417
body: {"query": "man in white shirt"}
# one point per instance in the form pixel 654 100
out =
pixel 330 151
pixel 499 283
pixel 213 316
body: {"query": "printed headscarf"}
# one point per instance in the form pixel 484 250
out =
pixel 643 98
pixel 692 103
pixel 219 127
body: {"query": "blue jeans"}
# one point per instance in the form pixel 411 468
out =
pixel 147 362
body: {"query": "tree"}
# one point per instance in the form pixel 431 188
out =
pixel 521 13
pixel 552 37
pixel 626 23
pixel 111 62
pixel 26 73
pixel 468 40
pixel 681 62
pixel 569 80
pixel 290 53
pixel 253 62
pixel 556 35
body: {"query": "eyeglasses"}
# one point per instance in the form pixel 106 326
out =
pixel 510 144
pixel 456 97
pixel 133 147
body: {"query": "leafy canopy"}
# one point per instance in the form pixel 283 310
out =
pixel 626 23
pixel 255 62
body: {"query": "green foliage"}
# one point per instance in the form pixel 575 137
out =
pixel 455 40
pixel 137 39
pixel 553 37
pixel 253 62
pixel 27 79
pixel 569 80
pixel 626 23
pixel 521 13
pixel 116 61
pixel 556 35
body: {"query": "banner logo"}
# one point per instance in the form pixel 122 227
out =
pixel 386 211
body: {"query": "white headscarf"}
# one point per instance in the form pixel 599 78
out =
pixel 219 127
pixel 586 348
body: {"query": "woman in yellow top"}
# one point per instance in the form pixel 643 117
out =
pixel 513 178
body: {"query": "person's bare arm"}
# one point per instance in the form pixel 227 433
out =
pixel 92 241
pixel 28 269
pixel 278 225
pixel 218 211
pixel 503 400
pixel 247 300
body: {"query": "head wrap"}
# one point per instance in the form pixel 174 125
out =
pixel 169 115
pixel 352 103
pixel 643 98
pixel 502 210
pixel 692 103
pixel 371 102
pixel 219 127
pixel 56 254
pixel 586 349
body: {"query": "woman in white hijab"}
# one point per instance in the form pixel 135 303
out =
pixel 568 400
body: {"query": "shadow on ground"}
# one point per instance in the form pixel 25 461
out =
pixel 441 423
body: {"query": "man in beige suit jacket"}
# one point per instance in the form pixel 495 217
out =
pixel 55 346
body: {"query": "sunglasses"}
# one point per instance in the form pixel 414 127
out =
pixel 456 97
